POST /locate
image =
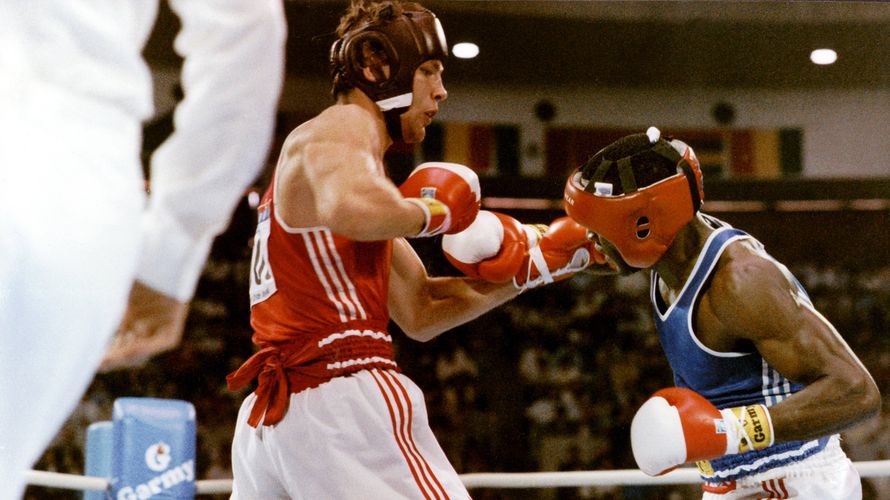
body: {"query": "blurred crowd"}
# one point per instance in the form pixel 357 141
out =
pixel 547 382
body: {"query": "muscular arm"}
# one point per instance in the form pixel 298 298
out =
pixel 331 175
pixel 754 299
pixel 425 306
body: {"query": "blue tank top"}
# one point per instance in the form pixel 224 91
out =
pixel 726 379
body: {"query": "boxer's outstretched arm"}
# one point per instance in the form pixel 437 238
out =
pixel 425 306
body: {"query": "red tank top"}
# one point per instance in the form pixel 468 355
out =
pixel 318 310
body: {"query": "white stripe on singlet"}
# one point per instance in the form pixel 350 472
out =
pixel 350 288
pixel 775 386
pixel 359 361
pixel 313 257
pixel 401 415
pixel 325 249
pixel 354 333
pixel 330 271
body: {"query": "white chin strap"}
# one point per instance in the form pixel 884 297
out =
pixel 399 101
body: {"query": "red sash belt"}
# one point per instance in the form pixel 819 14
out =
pixel 282 369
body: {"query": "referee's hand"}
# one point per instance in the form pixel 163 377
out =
pixel 152 323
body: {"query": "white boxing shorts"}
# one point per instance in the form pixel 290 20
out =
pixel 827 475
pixel 365 435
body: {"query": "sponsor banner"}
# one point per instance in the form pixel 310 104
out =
pixel 154 449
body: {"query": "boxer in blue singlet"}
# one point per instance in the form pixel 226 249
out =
pixel 763 381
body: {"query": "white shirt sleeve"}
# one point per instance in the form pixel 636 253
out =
pixel 232 75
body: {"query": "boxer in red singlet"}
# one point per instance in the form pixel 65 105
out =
pixel 332 417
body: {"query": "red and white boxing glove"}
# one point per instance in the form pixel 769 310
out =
pixel 676 426
pixel 563 250
pixel 493 248
pixel 448 193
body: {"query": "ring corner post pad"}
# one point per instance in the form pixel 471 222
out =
pixel 154 449
pixel 100 446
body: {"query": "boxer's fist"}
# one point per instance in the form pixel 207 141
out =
pixel 448 193
pixel 563 250
pixel 676 426
pixel 493 248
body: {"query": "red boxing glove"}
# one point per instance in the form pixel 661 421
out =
pixel 677 425
pixel 448 193
pixel 493 248
pixel 564 249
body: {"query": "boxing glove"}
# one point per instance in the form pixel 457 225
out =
pixel 676 426
pixel 563 250
pixel 448 193
pixel 493 248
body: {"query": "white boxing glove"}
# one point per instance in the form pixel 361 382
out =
pixel 676 426
pixel 493 248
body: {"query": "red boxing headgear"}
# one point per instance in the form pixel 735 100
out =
pixel 380 57
pixel 642 222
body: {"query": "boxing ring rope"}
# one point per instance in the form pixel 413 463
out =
pixel 628 477
pixel 866 469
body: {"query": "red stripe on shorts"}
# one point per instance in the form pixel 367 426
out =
pixel 783 489
pixel 774 489
pixel 393 404
pixel 410 434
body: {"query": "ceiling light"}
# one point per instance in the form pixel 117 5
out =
pixel 823 56
pixel 465 50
